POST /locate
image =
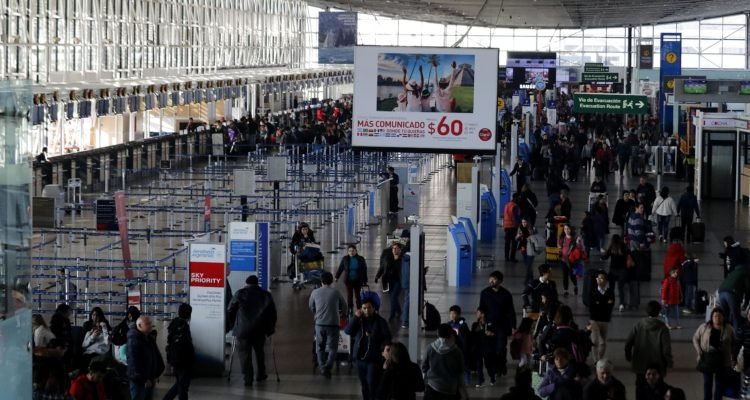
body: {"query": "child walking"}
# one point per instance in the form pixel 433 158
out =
pixel 522 345
pixel 671 297
pixel 484 342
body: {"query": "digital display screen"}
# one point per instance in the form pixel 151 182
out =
pixel 695 87
pixel 530 69
pixel 745 87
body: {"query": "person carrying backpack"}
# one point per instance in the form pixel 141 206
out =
pixel 180 352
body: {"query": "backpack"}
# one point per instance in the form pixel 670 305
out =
pixel 179 345
pixel 431 317
pixel 120 333
pixel 581 345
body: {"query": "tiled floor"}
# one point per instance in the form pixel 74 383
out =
pixel 292 342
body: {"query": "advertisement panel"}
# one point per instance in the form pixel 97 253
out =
pixel 337 36
pixel 207 280
pixel 424 98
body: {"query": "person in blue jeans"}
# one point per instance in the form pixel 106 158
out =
pixel 390 271
pixel 731 290
pixel 371 333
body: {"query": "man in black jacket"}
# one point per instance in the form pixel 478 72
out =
pixel 498 302
pixel 532 294
pixel 370 333
pixel 145 364
pixel 254 314
pixel 180 352
pixel 601 303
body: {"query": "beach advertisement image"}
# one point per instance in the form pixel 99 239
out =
pixel 425 98
pixel 426 82
pixel 337 36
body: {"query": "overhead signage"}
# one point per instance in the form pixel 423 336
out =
pixel 609 103
pixel 646 56
pixel 591 77
pixel 207 282
pixel 424 98
pixel 670 65
pixel 595 68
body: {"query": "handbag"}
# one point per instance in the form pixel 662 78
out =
pixel 710 361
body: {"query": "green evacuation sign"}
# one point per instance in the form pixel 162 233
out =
pixel 609 103
pixel 588 77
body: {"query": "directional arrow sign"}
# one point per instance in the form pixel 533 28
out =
pixel 588 77
pixel 610 103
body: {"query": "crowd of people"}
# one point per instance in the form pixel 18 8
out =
pixel 327 124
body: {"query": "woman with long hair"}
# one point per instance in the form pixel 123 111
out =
pixel 713 343
pixel 567 242
pixel 664 208
pixel 617 254
pixel 401 379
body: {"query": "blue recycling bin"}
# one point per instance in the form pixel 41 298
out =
pixel 506 188
pixel 459 267
pixel 488 217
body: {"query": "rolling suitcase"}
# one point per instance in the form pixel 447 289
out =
pixel 698 231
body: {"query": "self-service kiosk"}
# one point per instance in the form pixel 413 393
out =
pixel 487 217
pixel 471 234
pixel 459 266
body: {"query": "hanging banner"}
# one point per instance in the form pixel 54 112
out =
pixel 207 299
pixel 122 222
pixel 646 56
pixel 670 64
pixel 337 36
pixel 425 98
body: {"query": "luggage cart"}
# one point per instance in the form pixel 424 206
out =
pixel 308 273
pixel 554 229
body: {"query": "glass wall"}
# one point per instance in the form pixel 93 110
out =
pixel 711 43
pixel 15 236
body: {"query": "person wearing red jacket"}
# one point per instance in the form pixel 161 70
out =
pixel 674 258
pixel 671 297
pixel 89 386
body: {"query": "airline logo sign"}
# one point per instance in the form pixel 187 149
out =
pixel 610 104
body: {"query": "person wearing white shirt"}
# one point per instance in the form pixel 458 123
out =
pixel 42 335
pixel 664 208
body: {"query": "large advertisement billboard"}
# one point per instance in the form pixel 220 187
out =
pixel 337 36
pixel 425 98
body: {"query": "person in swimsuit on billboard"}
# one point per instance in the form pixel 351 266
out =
pixel 413 92
pixel 444 94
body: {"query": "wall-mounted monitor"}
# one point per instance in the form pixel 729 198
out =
pixel 695 86
pixel 745 87
pixel 525 69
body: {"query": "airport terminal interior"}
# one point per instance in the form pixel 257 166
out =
pixel 163 153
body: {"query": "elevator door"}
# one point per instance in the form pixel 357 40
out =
pixel 721 160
